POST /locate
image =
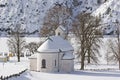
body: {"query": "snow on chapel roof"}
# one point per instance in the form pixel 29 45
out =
pixel 55 44
pixel 68 56
pixel 33 56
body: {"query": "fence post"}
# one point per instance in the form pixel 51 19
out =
pixel 1 77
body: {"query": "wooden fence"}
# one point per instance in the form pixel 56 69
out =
pixel 11 76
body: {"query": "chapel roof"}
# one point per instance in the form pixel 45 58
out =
pixel 34 56
pixel 55 44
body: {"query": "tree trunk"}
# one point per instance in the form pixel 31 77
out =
pixel 18 53
pixel 32 52
pixel 82 57
pixel 119 64
pixel 18 56
pixel 118 35
pixel 88 56
pixel 18 48
pixel 82 62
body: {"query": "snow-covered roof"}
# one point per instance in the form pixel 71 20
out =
pixel 33 56
pixel 68 56
pixel 55 44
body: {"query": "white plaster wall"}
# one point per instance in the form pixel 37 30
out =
pixel 62 33
pixel 50 62
pixel 38 61
pixel 33 64
pixel 67 66
pixel 64 65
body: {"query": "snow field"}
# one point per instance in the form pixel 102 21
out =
pixel 77 75
pixel 13 67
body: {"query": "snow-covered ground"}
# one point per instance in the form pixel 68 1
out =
pixel 97 67
pixel 13 67
pixel 92 72
pixel 76 75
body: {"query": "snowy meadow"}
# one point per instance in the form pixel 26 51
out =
pixel 92 72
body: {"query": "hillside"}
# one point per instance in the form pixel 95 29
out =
pixel 110 13
pixel 30 13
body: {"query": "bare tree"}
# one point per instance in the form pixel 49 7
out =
pixel 118 40
pixel 112 51
pixel 93 49
pixel 107 57
pixel 85 28
pixel 58 15
pixel 114 46
pixel 33 46
pixel 16 41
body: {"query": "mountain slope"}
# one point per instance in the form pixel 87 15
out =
pixel 110 13
pixel 30 13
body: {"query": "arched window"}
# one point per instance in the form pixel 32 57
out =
pixel 43 63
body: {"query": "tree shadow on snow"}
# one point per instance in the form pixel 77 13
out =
pixel 92 73
pixel 97 73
